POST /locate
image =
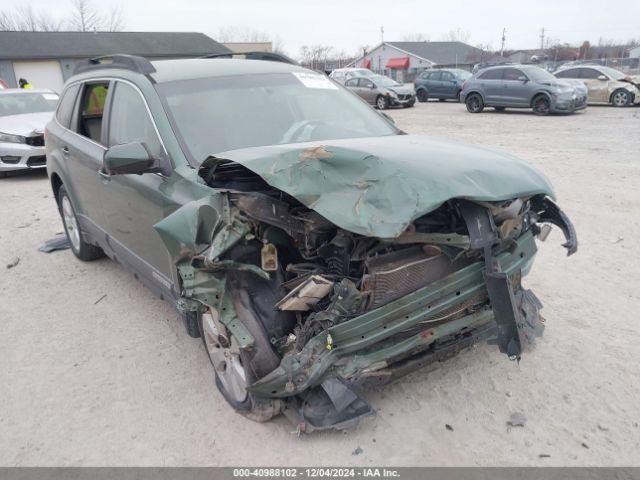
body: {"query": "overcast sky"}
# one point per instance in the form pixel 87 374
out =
pixel 350 24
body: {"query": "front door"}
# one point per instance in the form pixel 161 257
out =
pixel 82 149
pixel 598 89
pixel 133 204
pixel 491 85
pixel 367 90
pixel 516 88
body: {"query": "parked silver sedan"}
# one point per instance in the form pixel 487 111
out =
pixel 23 116
pixel 382 92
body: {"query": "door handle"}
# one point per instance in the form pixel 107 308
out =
pixel 65 151
pixel 105 176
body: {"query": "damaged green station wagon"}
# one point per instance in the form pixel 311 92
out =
pixel 313 246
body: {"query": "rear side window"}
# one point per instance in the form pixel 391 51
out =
pixel 92 110
pixel 129 120
pixel 571 73
pixel 352 82
pixel 65 107
pixel 493 74
pixel 366 83
pixel 435 76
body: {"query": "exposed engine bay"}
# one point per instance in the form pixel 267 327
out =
pixel 281 280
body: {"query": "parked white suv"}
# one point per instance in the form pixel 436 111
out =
pixel 341 75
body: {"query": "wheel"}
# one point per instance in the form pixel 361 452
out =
pixel 81 249
pixel 457 97
pixel 620 98
pixel 541 105
pixel 500 109
pixel 382 103
pixel 474 103
pixel 423 96
pixel 235 368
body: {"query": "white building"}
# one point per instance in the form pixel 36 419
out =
pixel 404 60
pixel 634 52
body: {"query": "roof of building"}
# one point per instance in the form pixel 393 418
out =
pixel 40 45
pixel 441 53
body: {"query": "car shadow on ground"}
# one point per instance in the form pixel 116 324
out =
pixel 23 175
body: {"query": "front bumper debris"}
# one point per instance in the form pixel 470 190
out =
pixel 350 340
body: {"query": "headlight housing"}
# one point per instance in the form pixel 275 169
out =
pixel 393 94
pixel 7 137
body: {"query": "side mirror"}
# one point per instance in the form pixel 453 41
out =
pixel 602 78
pixel 372 86
pixel 128 158
pixel 523 79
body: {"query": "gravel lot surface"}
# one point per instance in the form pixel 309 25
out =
pixel 96 371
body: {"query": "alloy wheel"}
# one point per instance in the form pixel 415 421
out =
pixel 225 357
pixel 620 98
pixel 70 223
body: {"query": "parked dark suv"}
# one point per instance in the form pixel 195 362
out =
pixel 311 244
pixel 522 86
pixel 442 84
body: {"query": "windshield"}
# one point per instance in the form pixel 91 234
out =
pixel 613 73
pixel 383 81
pixel 20 102
pixel 217 114
pixel 539 75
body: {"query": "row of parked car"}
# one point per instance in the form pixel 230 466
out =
pixel 500 86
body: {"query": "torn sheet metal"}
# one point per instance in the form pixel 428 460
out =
pixel 378 186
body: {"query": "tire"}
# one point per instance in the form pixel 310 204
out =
pixel 541 105
pixel 474 103
pixel 458 94
pixel 620 98
pixel 500 109
pixel 241 370
pixel 422 95
pixel 81 249
pixel 382 103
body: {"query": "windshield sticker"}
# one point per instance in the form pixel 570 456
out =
pixel 312 80
pixel 50 96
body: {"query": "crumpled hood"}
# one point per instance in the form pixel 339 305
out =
pixel 378 186
pixel 25 124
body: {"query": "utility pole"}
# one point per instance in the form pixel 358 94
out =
pixel 542 40
pixel 504 30
pixel 381 33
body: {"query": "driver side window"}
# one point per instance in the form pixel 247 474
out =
pixel 129 120
pixel 364 83
pixel 352 82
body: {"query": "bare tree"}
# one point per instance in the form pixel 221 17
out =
pixel 115 19
pixel 25 19
pixel 457 35
pixel 415 37
pixel 85 17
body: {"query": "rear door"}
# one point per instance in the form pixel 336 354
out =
pixel 82 148
pixel 133 204
pixel 434 86
pixel 491 86
pixel 449 85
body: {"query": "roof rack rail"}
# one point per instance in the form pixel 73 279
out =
pixel 120 60
pixel 270 56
